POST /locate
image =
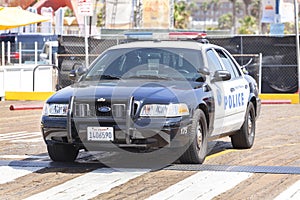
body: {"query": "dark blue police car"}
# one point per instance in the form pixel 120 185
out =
pixel 152 95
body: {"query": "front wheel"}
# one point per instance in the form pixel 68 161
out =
pixel 196 152
pixel 62 152
pixel 244 138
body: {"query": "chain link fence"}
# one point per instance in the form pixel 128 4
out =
pixel 275 55
pixel 74 53
pixel 278 63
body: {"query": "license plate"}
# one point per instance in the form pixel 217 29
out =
pixel 100 133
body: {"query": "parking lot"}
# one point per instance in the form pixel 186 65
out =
pixel 271 168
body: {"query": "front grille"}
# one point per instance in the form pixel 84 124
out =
pixel 115 109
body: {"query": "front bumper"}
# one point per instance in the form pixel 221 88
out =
pixel 140 133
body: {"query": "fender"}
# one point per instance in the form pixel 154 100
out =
pixel 253 96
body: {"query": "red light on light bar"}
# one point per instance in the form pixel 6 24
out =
pixel 187 35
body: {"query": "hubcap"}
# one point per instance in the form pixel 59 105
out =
pixel 250 124
pixel 199 136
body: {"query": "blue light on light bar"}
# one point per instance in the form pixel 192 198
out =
pixel 139 35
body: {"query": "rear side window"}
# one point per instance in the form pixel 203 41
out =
pixel 213 61
pixel 228 63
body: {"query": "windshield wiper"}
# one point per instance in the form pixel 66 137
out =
pixel 150 77
pixel 102 77
pixel 107 76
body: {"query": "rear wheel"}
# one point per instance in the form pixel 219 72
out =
pixel 62 152
pixel 244 139
pixel 197 150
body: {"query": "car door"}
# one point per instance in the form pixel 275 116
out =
pixel 220 90
pixel 236 92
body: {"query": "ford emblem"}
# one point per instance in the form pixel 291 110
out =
pixel 101 100
pixel 104 109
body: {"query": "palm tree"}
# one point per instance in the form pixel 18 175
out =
pixel 205 6
pixel 256 12
pixel 101 16
pixel 255 8
pixel 233 15
pixel 225 21
pixel 181 15
pixel 215 7
pixel 248 25
pixel 247 4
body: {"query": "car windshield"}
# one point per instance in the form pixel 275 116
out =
pixel 147 63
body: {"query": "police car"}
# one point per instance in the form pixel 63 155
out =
pixel 174 93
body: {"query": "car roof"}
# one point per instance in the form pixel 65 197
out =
pixel 185 44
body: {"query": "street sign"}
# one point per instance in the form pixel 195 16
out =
pixel 85 7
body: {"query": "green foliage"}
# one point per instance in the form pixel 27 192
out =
pixel 289 28
pixel 69 13
pixel 101 17
pixel 182 13
pixel 225 21
pixel 248 25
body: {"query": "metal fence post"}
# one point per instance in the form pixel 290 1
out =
pixel 8 51
pixel 20 53
pixel 35 53
pixel 297 42
pixel 3 54
pixel 260 73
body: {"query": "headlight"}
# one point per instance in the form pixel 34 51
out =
pixel 160 110
pixel 55 109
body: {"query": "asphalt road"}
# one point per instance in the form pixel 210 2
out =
pixel 269 170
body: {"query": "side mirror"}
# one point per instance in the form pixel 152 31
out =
pixel 77 71
pixel 204 71
pixel 221 75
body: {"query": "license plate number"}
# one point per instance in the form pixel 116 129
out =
pixel 100 133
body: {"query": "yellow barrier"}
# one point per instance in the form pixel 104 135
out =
pixel 42 96
pixel 280 98
pixel 30 96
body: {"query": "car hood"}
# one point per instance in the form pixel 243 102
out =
pixel 153 91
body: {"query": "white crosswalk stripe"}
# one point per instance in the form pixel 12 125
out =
pixel 90 185
pixel 198 186
pixel 202 185
pixel 292 193
pixel 21 137
pixel 11 173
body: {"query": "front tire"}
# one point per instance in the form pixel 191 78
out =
pixel 62 152
pixel 244 139
pixel 197 150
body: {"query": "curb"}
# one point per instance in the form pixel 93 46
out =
pixel 25 107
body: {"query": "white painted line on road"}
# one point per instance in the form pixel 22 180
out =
pixel 11 173
pixel 292 193
pixel 90 185
pixel 12 133
pixel 19 135
pixel 27 140
pixel 23 157
pixel 202 185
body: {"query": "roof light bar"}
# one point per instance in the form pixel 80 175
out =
pixel 165 36
pixel 139 35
